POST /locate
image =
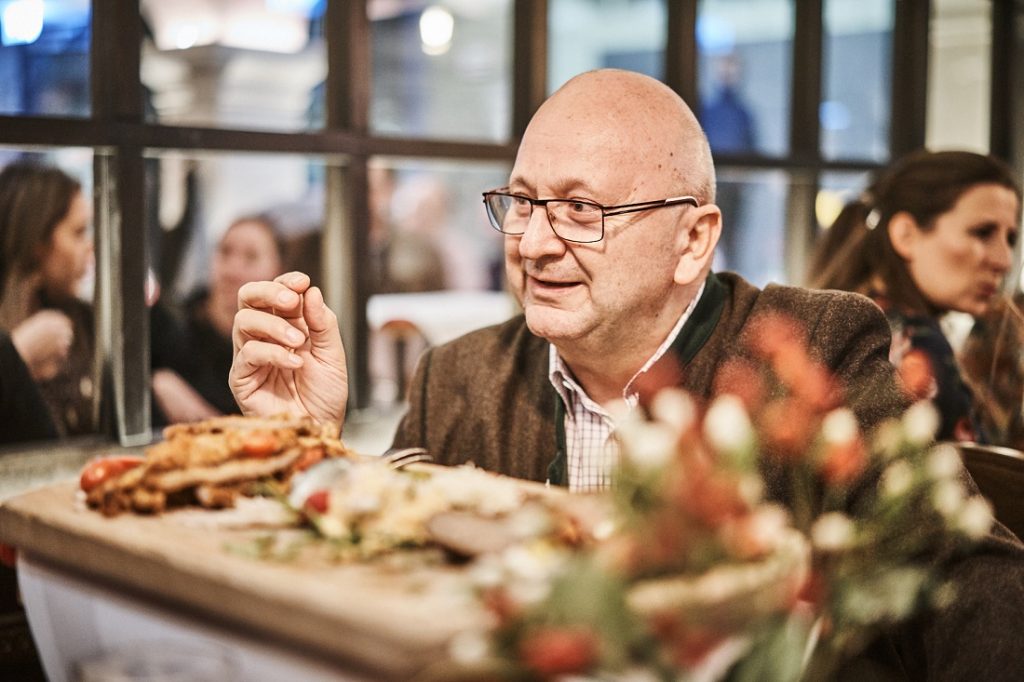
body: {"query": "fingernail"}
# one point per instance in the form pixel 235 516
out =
pixel 295 336
pixel 286 298
pixel 294 360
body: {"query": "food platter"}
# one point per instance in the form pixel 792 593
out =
pixel 369 617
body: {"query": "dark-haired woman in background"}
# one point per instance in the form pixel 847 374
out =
pixel 935 233
pixel 45 253
pixel 193 360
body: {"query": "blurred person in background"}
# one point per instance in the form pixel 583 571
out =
pixel 992 359
pixel 192 350
pixel 935 233
pixel 46 251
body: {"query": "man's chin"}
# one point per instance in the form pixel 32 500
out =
pixel 554 325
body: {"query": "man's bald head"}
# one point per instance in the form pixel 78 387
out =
pixel 642 120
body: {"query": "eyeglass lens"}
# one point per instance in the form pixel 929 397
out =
pixel 573 220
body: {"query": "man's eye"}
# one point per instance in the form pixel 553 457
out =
pixel 581 207
pixel 520 202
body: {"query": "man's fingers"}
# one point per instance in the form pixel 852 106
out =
pixel 294 280
pixel 255 355
pixel 252 324
pixel 319 318
pixel 283 295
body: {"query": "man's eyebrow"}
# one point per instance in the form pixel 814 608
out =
pixel 564 186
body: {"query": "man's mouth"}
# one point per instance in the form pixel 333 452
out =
pixel 540 284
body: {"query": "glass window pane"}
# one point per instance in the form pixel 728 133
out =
pixel 591 34
pixel 251 64
pixel 220 220
pixel 959 75
pixel 437 265
pixel 44 57
pixel 856 101
pixel 46 293
pixel 443 70
pixel 753 241
pixel 745 53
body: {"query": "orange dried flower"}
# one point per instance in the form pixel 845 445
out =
pixel 915 371
pixel 843 463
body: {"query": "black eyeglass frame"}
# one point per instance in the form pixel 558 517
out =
pixel 605 210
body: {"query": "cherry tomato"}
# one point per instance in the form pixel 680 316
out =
pixel 260 444
pixel 317 501
pixel 309 457
pixel 105 468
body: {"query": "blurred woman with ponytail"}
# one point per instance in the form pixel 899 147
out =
pixel 935 233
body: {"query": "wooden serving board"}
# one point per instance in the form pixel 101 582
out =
pixel 393 624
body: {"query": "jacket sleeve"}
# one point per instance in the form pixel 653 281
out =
pixel 412 430
pixel 24 415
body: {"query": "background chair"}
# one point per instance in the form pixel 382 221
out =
pixel 999 473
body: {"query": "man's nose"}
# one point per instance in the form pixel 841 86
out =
pixel 539 238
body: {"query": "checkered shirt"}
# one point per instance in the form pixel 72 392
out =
pixel 591 450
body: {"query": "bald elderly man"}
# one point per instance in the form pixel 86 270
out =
pixel 610 228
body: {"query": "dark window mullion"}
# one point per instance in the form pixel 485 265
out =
pixel 345 242
pixel 529 61
pixel 1004 71
pixel 909 64
pixel 804 133
pixel 122 316
pixel 681 52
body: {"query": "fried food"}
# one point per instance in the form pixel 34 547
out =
pixel 209 463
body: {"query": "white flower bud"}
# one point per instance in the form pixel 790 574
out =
pixel 897 479
pixel 920 423
pixel 888 438
pixel 832 532
pixel 975 518
pixel 622 413
pixel 674 407
pixel 839 426
pixel 727 426
pixel 948 498
pixel 943 462
pixel 649 445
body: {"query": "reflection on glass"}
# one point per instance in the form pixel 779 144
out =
pixel 441 70
pixel 437 266
pixel 856 103
pixel 44 57
pixel 220 220
pixel 47 337
pixel 249 64
pixel 745 52
pixel 591 34
pixel 835 190
pixel 754 235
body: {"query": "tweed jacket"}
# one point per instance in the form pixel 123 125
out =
pixel 486 398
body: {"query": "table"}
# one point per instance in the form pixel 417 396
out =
pixel 91 582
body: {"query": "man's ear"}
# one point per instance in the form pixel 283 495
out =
pixel 697 244
pixel 903 234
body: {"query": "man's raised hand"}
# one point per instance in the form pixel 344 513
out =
pixel 289 358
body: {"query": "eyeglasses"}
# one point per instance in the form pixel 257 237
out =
pixel 574 220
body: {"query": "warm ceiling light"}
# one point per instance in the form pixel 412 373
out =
pixel 436 28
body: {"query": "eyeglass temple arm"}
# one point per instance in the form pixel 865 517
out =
pixel 646 205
